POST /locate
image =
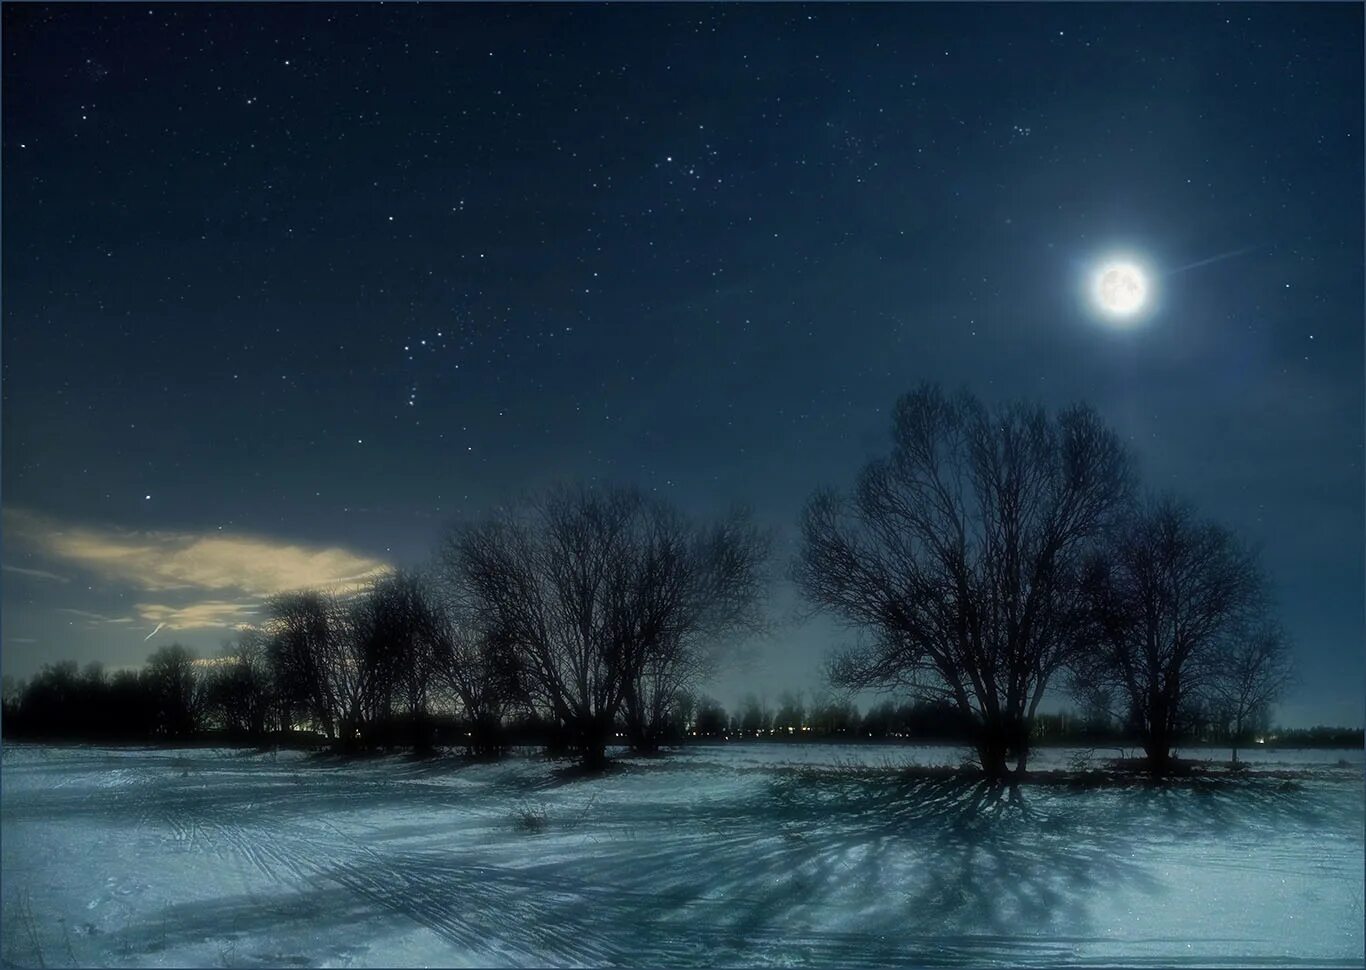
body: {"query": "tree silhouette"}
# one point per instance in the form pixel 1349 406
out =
pixel 791 714
pixel 755 717
pixel 962 555
pixel 1251 672
pixel 318 655
pixel 607 599
pixel 711 720
pixel 482 672
pixel 398 628
pixel 174 686
pixel 239 693
pixel 680 591
pixel 1170 594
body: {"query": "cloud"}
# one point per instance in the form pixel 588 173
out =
pixel 35 573
pixel 93 618
pixel 214 580
pixel 197 616
pixel 157 561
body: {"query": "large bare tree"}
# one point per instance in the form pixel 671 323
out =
pixel 323 659
pixel 680 594
pixel 960 557
pixel 297 627
pixel 1173 594
pixel 239 691
pixel 603 595
pixel 176 688
pixel 398 627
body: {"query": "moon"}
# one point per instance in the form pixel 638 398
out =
pixel 1120 289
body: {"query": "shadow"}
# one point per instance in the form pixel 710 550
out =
pixel 858 867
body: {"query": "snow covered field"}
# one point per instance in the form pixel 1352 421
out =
pixel 717 854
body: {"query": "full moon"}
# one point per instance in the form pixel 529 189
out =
pixel 1121 289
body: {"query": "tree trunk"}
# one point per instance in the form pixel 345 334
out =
pixel 592 744
pixel 594 757
pixel 486 737
pixel 1019 742
pixel 1158 748
pixel 991 752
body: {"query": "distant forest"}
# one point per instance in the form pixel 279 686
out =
pixel 159 704
pixel 993 555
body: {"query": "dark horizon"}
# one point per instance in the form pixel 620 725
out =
pixel 287 289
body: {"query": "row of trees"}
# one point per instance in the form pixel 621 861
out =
pixel 992 556
pixel 829 716
pixel 164 699
pixel 178 697
pixel 587 613
pixel 996 554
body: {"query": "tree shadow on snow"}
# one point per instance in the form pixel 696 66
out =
pixel 861 868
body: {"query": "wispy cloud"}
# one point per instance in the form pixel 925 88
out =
pixel 195 616
pixel 93 618
pixel 158 561
pixel 35 573
pixel 215 579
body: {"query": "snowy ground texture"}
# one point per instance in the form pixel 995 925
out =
pixel 738 854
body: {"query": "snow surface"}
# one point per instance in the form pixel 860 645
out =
pixel 722 854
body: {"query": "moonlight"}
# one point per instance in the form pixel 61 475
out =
pixel 1121 289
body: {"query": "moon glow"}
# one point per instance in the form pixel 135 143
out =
pixel 1120 289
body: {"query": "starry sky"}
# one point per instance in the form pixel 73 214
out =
pixel 289 287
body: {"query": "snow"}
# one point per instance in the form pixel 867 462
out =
pixel 715 854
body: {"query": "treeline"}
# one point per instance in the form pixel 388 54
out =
pixel 582 617
pixel 829 717
pixel 1316 737
pixel 230 698
pixel 993 556
pixel 177 697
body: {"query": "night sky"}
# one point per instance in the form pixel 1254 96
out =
pixel 289 287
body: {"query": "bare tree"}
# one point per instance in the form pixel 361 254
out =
pixel 174 686
pixel 830 715
pixel 1251 672
pixel 711 719
pixel 754 717
pixel 482 671
pixel 680 594
pixel 398 628
pixel 602 595
pixel 791 716
pixel 1171 592
pixel 323 651
pixel 297 628
pixel 538 576
pixel 238 689
pixel 961 556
